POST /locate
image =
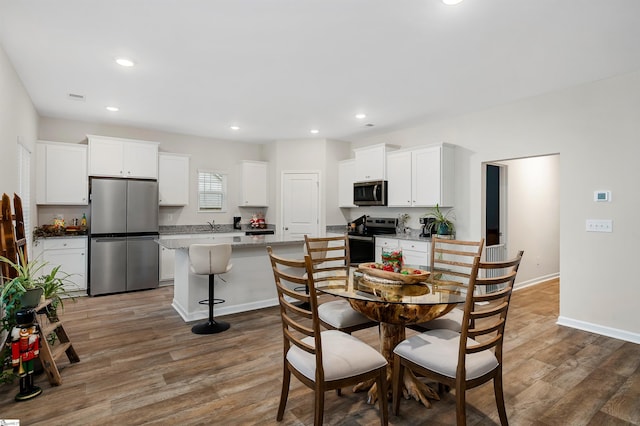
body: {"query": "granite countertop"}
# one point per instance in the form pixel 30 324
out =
pixel 236 242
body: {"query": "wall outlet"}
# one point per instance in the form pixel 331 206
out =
pixel 595 225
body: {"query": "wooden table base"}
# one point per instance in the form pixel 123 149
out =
pixel 390 336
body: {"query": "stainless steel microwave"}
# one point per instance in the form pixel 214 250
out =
pixel 372 193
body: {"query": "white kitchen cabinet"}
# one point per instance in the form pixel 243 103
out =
pixel 254 180
pixel 70 254
pixel 346 177
pixel 399 179
pixel 371 162
pixel 415 253
pixel 61 174
pixel 173 179
pixel 126 158
pixel 421 177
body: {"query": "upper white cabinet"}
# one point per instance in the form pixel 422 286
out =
pixel 346 177
pixel 173 179
pixel 421 177
pixel 61 173
pixel 371 162
pixel 399 179
pixel 254 180
pixel 126 158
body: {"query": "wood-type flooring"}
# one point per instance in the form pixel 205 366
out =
pixel 140 364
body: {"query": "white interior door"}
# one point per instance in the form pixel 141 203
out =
pixel 300 204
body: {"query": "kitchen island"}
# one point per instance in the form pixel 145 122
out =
pixel 249 285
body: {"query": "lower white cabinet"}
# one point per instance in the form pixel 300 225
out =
pixel 70 254
pixel 415 253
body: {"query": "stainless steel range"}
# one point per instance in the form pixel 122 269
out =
pixel 362 236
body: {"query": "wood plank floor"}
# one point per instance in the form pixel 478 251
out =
pixel 140 364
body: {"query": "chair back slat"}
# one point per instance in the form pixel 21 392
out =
pixel 299 311
pixel 452 260
pixel 485 314
pixel 330 257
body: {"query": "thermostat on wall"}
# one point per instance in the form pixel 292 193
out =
pixel 602 196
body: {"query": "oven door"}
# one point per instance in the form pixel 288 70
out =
pixel 361 249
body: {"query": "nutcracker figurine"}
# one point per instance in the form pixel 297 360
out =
pixel 24 349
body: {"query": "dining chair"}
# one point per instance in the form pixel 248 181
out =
pixel 451 263
pixel 330 261
pixel 321 360
pixel 472 357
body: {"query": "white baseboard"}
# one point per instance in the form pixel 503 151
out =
pixel 599 329
pixel 535 281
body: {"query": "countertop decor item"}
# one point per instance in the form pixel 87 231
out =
pixel 443 221
pixel 401 227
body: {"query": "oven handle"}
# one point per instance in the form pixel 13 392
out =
pixel 361 238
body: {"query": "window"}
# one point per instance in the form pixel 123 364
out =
pixel 212 191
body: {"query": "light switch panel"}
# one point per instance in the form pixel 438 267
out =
pixel 598 225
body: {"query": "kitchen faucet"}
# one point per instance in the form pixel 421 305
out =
pixel 212 225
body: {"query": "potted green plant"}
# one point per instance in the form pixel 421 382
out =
pixel 442 221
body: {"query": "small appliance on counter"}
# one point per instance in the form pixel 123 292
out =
pixel 236 222
pixel 427 226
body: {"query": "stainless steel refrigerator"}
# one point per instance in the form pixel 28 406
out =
pixel 123 225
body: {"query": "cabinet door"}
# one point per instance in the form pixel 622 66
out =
pixel 370 163
pixel 346 175
pixel 173 179
pixel 61 174
pixel 167 264
pixel 384 243
pixel 254 184
pixel 416 253
pixel 426 181
pixel 140 160
pixel 106 157
pixel 399 179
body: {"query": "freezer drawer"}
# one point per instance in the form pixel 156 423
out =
pixel 108 266
pixel 142 263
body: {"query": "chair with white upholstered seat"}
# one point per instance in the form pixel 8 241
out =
pixel 322 360
pixel 211 260
pixel 331 259
pixel 472 357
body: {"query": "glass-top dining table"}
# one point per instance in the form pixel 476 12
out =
pixel 395 304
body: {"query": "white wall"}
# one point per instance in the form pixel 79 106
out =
pixel 309 155
pixel 533 216
pixel 206 153
pixel 18 122
pixel 594 127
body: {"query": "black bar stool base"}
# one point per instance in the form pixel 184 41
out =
pixel 210 327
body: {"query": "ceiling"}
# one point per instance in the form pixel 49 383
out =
pixel 278 68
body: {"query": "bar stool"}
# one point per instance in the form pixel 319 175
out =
pixel 210 259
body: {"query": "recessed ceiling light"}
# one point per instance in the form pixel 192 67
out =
pixel 361 116
pixel 113 109
pixel 125 62
pixel 314 131
pixel 234 128
pixel 451 2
